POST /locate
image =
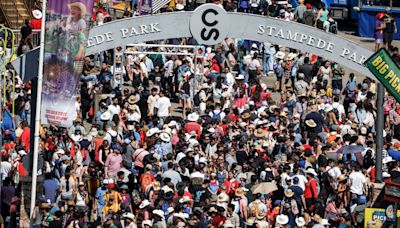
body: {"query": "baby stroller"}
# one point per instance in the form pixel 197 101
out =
pixel 333 27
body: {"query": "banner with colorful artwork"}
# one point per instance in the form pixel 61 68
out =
pixel 66 33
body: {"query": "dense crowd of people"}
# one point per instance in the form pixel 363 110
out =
pixel 146 150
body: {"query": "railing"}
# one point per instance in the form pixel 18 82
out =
pixel 35 37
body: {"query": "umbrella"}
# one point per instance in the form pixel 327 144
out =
pixel 264 188
pixel 352 149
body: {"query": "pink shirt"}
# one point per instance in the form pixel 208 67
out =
pixel 113 163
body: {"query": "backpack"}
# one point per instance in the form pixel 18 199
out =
pixel 196 99
pixel 216 116
pixel 114 139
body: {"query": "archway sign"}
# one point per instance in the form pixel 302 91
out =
pixel 209 24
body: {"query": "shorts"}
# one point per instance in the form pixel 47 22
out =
pixel 378 40
pixel 185 96
pixel 387 37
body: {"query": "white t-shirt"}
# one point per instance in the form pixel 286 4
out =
pixel 5 168
pixel 254 64
pixel 340 108
pixel 114 109
pixel 151 102
pixel 357 181
pixel 335 172
pixel 163 105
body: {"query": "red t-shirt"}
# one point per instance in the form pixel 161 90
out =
pixel 193 126
pixel 36 24
pixel 146 179
pixel 26 138
pixel 311 186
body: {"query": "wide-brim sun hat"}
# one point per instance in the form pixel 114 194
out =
pixel 289 193
pixel 291 56
pixel 152 131
pixel 239 77
pixel 106 116
pixel 79 5
pixel 159 213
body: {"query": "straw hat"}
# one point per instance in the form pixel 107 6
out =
pixel 260 215
pixel 239 192
pixel 342 177
pixel 289 193
pixel 259 133
pixel 132 99
pixel 316 218
pixel 272 108
pixel 223 198
pixel 250 221
pixel 37 14
pixel 147 223
pixel 311 123
pixel 79 5
pixel 185 199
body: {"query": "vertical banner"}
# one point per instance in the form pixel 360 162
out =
pixel 66 33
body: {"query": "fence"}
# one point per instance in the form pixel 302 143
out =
pixel 35 37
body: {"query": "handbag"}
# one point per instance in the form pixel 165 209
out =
pixel 91 111
pixel 320 24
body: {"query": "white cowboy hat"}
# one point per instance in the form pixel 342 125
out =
pixel 147 222
pixel 280 55
pixel 193 117
pixel 37 14
pixel 324 222
pixel 300 221
pixel 291 56
pixel 254 45
pixel 170 210
pixel 22 152
pixel 387 160
pixel 311 123
pixel 144 204
pixel 184 199
pixel 172 123
pixel 164 136
pixel 282 219
pixel 239 77
pixel 228 223
pixel 131 127
pixel 80 5
pixel 128 216
pixel 311 171
pixel 179 7
pixel 106 116
pixel 328 108
pixel 159 213
pixel 152 131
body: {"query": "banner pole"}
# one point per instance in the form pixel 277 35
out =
pixel 37 111
pixel 379 132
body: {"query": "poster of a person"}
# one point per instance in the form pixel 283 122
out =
pixel 76 27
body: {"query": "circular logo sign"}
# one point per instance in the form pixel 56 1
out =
pixel 209 24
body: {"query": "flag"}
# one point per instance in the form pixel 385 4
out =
pixel 158 4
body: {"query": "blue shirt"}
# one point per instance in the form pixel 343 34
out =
pixel 50 187
pixel 100 193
